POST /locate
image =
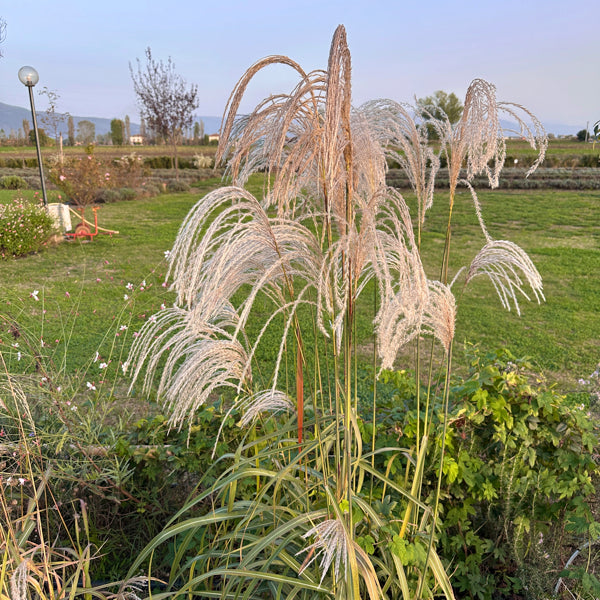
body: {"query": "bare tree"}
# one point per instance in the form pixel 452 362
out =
pixel 52 119
pixel 165 102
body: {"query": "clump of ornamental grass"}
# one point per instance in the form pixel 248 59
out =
pixel 327 233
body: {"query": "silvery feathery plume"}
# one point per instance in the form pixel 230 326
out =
pixel 201 342
pixel 501 261
pixel 193 357
pixel 440 314
pixel 331 542
pixel 18 581
pixel 304 137
pixel 402 282
pixel 271 401
pixel 393 126
pixel 478 138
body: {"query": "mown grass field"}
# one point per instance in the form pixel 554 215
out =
pixel 86 305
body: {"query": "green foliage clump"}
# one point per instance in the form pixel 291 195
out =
pixel 158 162
pixel 117 128
pixel 517 475
pixel 178 186
pixel 24 228
pixel 13 182
pixel 116 195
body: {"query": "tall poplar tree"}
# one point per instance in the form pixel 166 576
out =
pixel 71 131
pixel 127 130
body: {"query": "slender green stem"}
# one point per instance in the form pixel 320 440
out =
pixel 446 403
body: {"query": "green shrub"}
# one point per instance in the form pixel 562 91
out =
pixel 158 162
pixel 13 182
pixel 108 196
pixel 127 193
pixel 151 189
pixel 178 186
pixel 516 476
pixel 186 163
pixel 24 228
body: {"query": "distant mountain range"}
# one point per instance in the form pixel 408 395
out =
pixel 11 117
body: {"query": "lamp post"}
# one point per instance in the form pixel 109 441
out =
pixel 28 76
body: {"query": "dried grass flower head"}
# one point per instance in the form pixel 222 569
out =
pixel 331 544
pixel 502 261
pixel 478 141
pixel 336 228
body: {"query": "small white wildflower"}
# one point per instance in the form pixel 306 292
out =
pixel 152 318
pixel 129 286
pixel 19 355
pixel 125 297
pixel 21 481
pixel 96 356
pixel 144 283
pixel 123 328
pixel 124 367
pixel 168 254
pixel 102 365
pixel 16 345
pixel 162 306
pixel 90 386
pixel 34 295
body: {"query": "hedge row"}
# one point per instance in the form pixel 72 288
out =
pixel 513 178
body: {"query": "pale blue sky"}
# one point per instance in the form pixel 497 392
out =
pixel 544 54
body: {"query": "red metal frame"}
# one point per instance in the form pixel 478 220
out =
pixel 83 230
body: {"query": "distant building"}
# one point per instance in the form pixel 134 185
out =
pixel 136 140
pixel 213 137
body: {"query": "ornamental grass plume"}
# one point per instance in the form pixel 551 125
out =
pixel 501 260
pixel 331 543
pixel 289 272
pixel 330 172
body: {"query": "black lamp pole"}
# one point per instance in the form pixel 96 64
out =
pixel 29 77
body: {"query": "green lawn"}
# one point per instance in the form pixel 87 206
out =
pixel 560 232
pixel 82 285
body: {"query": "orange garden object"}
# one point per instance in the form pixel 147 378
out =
pixel 83 229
